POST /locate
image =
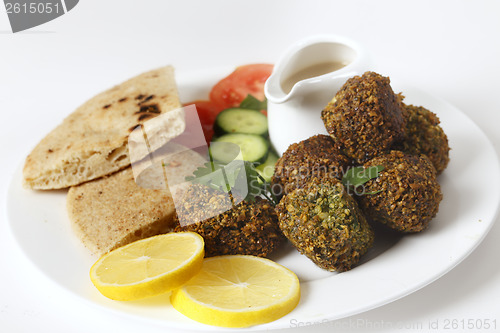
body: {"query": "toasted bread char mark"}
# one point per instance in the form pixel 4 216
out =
pixel 150 108
pixel 145 116
pixel 144 100
pixel 93 141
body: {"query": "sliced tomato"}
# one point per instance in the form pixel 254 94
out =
pixel 245 80
pixel 230 92
pixel 207 112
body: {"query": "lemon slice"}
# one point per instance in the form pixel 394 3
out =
pixel 149 267
pixel 238 291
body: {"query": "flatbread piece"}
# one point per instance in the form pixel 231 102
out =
pixel 92 141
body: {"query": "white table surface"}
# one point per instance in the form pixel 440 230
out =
pixel 449 48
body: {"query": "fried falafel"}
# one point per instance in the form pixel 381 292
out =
pixel 365 118
pixel 406 194
pixel 424 135
pixel 248 228
pixel 325 223
pixel 316 156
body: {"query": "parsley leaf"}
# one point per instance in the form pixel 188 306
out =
pixel 250 102
pixel 212 175
pixel 358 176
pixel 238 177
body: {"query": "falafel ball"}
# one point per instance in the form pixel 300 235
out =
pixel 316 156
pixel 425 136
pixel 248 228
pixel 325 223
pixel 406 194
pixel 365 118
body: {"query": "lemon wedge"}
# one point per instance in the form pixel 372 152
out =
pixel 149 267
pixel 238 291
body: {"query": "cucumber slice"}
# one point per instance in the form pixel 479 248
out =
pixel 254 148
pixel 237 120
pixel 266 169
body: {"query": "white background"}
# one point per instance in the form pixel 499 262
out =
pixel 451 49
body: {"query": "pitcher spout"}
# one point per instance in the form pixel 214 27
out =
pixel 304 80
pixel 273 90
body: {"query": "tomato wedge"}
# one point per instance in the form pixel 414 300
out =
pixel 245 80
pixel 230 92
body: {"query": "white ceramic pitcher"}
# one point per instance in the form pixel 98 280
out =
pixel 304 80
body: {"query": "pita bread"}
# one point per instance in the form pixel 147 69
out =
pixel 93 141
pixel 114 210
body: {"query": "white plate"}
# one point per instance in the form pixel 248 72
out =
pixel 395 267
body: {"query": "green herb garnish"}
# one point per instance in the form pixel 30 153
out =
pixel 356 177
pixel 237 177
pixel 212 175
pixel 250 102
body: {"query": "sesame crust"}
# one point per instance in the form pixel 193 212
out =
pixel 316 156
pixel 365 118
pixel 248 228
pixel 325 223
pixel 425 136
pixel 406 195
